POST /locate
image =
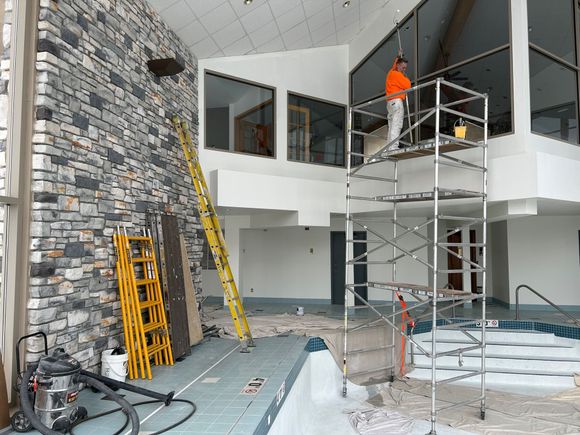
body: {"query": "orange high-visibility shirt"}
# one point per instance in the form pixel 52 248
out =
pixel 396 82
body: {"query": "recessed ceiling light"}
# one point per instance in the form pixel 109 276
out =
pixel 346 4
pixel 248 2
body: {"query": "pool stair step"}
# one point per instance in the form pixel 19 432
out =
pixel 512 357
pixel 505 335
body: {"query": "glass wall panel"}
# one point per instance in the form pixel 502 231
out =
pixel 551 26
pixel 554 108
pixel 239 116
pixel 315 131
pixel 490 75
pixel 451 31
pixel 368 81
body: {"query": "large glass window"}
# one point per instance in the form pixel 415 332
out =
pixel 451 31
pixel 315 131
pixel 486 75
pixel 239 116
pixel 553 74
pixel 466 42
pixel 551 27
pixel 368 80
pixel 554 108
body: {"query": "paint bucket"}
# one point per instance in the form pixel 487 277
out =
pixel 114 366
pixel 460 128
pixel 299 311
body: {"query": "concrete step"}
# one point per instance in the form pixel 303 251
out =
pixel 492 334
pixel 532 378
pixel 563 365
pixel 505 347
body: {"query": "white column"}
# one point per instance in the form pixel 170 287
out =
pixel 232 226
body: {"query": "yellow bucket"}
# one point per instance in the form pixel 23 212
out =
pixel 460 129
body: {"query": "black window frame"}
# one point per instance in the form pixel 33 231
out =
pixel 413 14
pixel 557 59
pixel 246 82
pixel 344 107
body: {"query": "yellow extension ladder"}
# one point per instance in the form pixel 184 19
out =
pixel 144 320
pixel 214 235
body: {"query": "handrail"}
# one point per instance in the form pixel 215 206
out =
pixel 576 321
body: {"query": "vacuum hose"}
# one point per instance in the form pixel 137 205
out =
pixel 37 424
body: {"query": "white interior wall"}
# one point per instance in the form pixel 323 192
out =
pixel 286 263
pixel 544 254
pixel 318 72
pixel 247 181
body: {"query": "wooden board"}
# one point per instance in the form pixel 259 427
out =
pixel 166 235
pixel 4 416
pixel 194 322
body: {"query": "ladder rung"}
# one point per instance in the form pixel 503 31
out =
pixel 148 327
pixel 142 260
pixel 138 238
pixel 145 281
pixel 156 348
pixel 149 304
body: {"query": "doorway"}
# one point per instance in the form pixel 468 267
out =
pixel 456 279
pixel 337 263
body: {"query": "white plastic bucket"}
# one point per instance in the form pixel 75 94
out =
pixel 114 366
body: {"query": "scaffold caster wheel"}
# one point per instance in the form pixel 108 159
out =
pixel 20 423
pixel 483 415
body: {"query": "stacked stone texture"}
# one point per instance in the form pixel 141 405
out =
pixel 104 152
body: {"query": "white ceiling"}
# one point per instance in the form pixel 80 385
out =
pixel 214 28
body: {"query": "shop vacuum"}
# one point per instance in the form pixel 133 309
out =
pixel 49 391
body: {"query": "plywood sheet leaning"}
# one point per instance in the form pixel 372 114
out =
pixel 4 417
pixel 194 322
pixel 171 267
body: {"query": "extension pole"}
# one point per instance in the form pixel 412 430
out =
pixel 406 96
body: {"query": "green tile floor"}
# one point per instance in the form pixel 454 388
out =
pixel 212 377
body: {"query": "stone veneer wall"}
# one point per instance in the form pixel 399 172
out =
pixel 104 151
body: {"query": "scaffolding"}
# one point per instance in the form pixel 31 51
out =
pixel 380 172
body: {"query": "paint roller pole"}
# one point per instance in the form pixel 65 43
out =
pixel 406 96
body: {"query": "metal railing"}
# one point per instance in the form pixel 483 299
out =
pixel 576 321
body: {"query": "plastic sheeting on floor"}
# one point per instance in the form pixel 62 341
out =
pixel 365 364
pixel 505 413
pixel 380 422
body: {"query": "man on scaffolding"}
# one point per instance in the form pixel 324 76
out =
pixel 396 81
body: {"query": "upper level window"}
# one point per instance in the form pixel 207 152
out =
pixel 466 42
pixel 239 116
pixel 368 79
pixel 554 108
pixel 451 31
pixel 315 131
pixel 551 27
pixel 553 70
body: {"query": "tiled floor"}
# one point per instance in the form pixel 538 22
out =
pixel 213 377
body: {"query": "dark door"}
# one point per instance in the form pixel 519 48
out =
pixel 455 279
pixel 337 263
pixel 473 257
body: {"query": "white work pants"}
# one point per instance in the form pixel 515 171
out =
pixel 396 114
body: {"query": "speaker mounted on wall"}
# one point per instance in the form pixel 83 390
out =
pixel 165 67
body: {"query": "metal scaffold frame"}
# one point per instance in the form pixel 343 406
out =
pixel 434 299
